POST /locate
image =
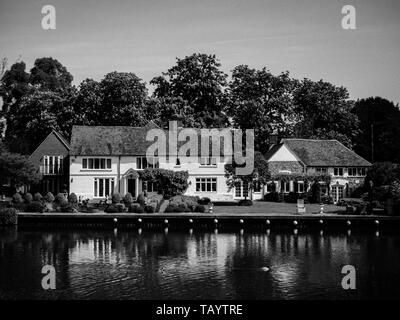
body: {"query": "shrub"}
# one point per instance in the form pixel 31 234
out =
pixel 60 198
pixel 120 207
pixel 200 208
pixel 73 199
pixel 112 208
pixel 8 216
pixel 116 198
pixel 291 197
pixel 325 199
pixel 49 197
pixel 28 197
pixel 136 208
pixel 141 199
pixel 128 199
pixel 245 202
pixel 150 208
pixel 204 201
pixel 171 208
pixel 37 196
pixel 35 206
pixel 17 198
pixel 272 197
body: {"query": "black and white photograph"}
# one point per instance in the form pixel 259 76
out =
pixel 199 155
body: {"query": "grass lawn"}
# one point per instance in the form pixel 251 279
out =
pixel 278 208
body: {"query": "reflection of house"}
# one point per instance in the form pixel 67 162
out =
pixel 316 157
pixel 51 159
pixel 106 160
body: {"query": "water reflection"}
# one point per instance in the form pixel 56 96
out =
pixel 140 264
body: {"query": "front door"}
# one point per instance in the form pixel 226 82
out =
pixel 132 187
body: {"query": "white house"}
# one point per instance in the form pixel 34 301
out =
pixel 106 160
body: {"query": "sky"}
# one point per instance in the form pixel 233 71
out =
pixel 305 37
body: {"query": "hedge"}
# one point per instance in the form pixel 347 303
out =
pixel 8 216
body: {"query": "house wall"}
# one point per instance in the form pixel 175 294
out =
pixel 51 146
pixel 82 180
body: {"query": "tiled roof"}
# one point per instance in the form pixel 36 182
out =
pixel 113 140
pixel 324 153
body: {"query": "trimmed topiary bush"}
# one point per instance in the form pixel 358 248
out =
pixel 28 197
pixel 141 199
pixel 8 216
pixel 112 208
pixel 200 208
pixel 272 197
pixel 245 202
pixel 49 197
pixel 120 207
pixel 35 206
pixel 60 198
pixel 17 198
pixel 37 196
pixel 136 208
pixel 116 198
pixel 73 199
pixel 128 200
pixel 204 201
pixel 149 208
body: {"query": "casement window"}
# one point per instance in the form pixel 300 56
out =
pixel 357 172
pixel 206 184
pixel 338 172
pixel 300 187
pixel 103 187
pixel 52 165
pixel 96 163
pixel 271 186
pixel 144 162
pixel 208 161
pixel 241 190
pixel 321 170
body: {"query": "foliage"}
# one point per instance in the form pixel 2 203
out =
pixel 260 173
pixel 35 206
pixel 381 174
pixel 18 169
pixel 384 117
pixel 73 199
pixel 49 197
pixel 262 101
pixel 8 216
pixel 291 197
pixel 141 199
pixel 204 201
pixel 128 200
pixel 170 182
pixel 245 203
pixel 200 208
pixel 37 197
pixel 136 208
pixel 272 196
pixel 28 197
pixel 116 198
pixel 307 178
pixel 150 208
pixel 324 112
pixel 198 80
pixel 112 208
pixel 17 198
pixel 60 198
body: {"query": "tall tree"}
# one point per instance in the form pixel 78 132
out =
pixel 50 74
pixel 325 112
pixel 259 100
pixel 378 139
pixel 198 80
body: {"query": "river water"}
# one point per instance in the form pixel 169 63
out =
pixel 144 264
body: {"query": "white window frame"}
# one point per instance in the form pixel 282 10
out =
pixel 152 162
pixel 55 168
pixel 96 186
pixel 87 160
pixel 321 170
pixel 208 182
pixel 338 169
pixel 300 183
pixel 208 161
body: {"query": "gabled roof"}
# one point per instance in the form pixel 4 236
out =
pixel 59 136
pixel 322 153
pixel 114 140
